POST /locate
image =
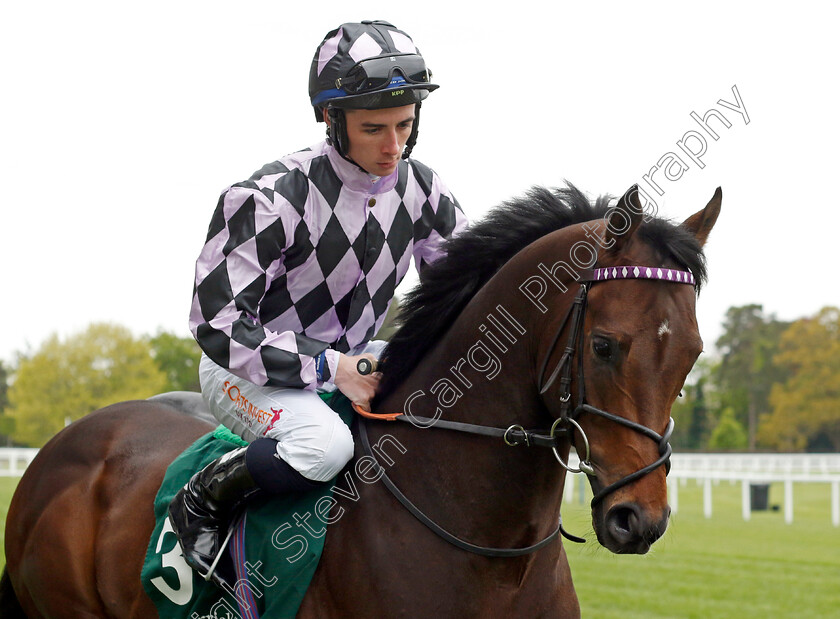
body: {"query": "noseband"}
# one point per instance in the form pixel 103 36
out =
pixel 565 424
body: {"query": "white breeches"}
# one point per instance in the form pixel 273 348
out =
pixel 310 436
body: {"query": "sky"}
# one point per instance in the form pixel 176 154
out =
pixel 121 123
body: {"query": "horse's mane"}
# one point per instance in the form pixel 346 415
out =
pixel 474 256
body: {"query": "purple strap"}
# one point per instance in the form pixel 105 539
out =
pixel 639 272
pixel 243 594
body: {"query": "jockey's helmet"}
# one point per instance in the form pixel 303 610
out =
pixel 367 65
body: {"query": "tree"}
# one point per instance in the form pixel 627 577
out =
pixel 4 387
pixel 178 358
pixel 691 411
pixel 747 373
pixel 728 434
pixel 806 407
pixel 7 424
pixel 65 380
pixel 391 323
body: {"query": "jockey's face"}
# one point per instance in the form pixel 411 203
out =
pixel 377 137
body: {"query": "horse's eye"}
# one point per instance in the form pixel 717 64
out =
pixel 602 347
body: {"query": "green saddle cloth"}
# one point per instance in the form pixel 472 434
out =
pixel 281 538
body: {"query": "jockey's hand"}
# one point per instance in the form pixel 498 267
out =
pixel 358 388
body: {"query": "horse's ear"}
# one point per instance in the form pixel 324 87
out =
pixel 702 222
pixel 623 220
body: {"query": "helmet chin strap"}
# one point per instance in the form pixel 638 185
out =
pixel 337 133
pixel 412 139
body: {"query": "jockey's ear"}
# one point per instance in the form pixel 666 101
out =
pixel 623 220
pixel 702 222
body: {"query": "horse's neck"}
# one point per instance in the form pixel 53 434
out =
pixel 480 373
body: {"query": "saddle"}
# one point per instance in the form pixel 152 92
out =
pixel 190 403
pixel 272 554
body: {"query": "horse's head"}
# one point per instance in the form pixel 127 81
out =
pixel 634 339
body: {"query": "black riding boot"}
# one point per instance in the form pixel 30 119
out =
pixel 201 511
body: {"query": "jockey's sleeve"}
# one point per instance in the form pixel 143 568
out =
pixel 233 288
pixel 436 226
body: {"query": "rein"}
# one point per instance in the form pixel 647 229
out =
pixel 440 531
pixel 562 427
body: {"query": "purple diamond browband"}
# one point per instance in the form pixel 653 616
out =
pixel 639 272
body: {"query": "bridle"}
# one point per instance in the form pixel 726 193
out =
pixel 567 421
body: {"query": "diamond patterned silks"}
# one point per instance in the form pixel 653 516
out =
pixel 299 260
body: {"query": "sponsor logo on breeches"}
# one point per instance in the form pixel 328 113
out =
pixel 249 413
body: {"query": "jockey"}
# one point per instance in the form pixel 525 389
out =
pixel 296 276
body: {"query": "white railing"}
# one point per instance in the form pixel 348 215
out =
pixel 750 470
pixel 782 463
pixel 748 480
pixel 707 469
pixel 14 460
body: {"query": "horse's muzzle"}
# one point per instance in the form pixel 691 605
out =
pixel 630 530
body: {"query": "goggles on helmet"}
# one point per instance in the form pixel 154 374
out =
pixel 381 72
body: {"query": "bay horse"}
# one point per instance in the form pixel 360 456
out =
pixel 552 313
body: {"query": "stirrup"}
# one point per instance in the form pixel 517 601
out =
pixel 211 575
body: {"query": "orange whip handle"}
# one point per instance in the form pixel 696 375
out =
pixel 364 367
pixel 380 417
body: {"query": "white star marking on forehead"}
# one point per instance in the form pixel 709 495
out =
pixel 664 328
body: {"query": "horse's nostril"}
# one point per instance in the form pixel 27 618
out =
pixel 623 522
pixel 631 531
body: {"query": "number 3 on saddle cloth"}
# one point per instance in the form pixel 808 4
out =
pixel 274 547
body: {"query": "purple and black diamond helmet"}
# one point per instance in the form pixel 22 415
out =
pixel 367 65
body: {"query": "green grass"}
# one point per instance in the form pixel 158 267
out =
pixel 719 568
pixel 7 489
